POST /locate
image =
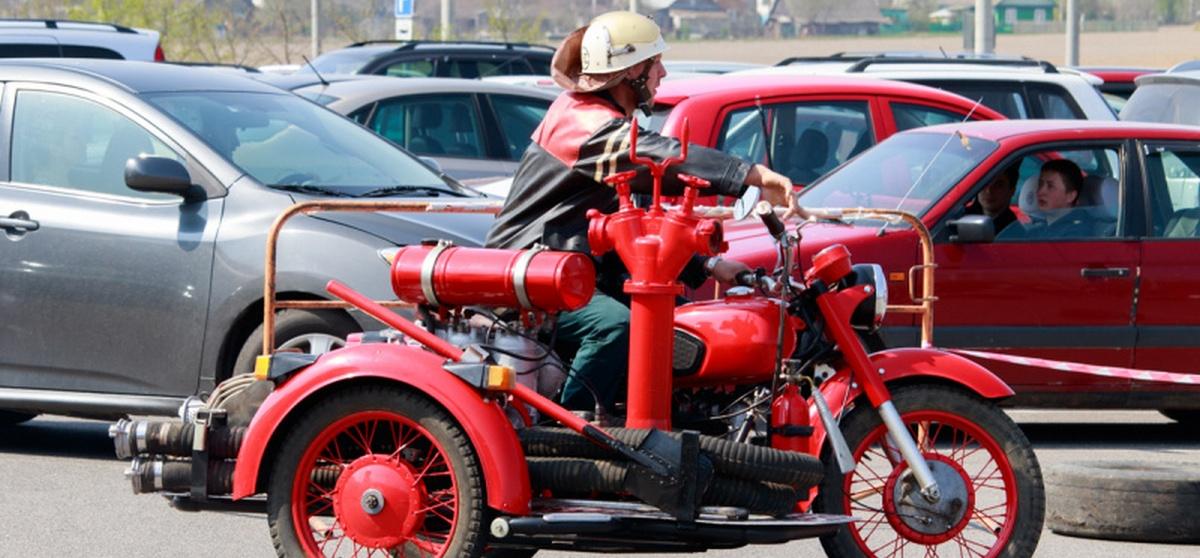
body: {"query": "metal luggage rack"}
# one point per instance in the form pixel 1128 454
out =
pixel 922 304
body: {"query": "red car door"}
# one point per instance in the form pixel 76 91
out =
pixel 1055 298
pixel 1168 308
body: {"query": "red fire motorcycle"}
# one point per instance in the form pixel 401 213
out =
pixel 755 418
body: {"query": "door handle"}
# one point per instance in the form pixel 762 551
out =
pixel 1101 272
pixel 18 224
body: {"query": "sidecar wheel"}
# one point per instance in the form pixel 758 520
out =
pixel 993 501
pixel 375 468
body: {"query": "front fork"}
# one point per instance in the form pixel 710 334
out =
pixel 837 307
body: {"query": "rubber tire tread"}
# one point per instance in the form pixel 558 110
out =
pixel 743 461
pixel 862 419
pixel 290 324
pixel 571 476
pixel 1125 500
pixel 470 535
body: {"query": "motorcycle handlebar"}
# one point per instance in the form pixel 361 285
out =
pixel 772 221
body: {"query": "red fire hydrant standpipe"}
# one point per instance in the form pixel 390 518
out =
pixel 654 246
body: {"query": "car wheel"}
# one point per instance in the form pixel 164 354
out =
pixel 313 332
pixel 12 418
pixel 1124 500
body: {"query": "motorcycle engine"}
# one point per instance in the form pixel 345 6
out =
pixel 512 345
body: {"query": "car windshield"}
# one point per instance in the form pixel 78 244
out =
pixel 1170 103
pixel 345 61
pixel 283 140
pixel 909 171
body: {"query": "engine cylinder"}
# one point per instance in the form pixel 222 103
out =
pixel 443 275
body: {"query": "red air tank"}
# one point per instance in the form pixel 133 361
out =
pixel 447 275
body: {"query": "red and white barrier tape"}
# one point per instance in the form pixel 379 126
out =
pixel 1111 371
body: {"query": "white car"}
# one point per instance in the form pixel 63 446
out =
pixel 1018 88
pixel 54 38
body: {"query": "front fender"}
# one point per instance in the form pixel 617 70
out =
pixel 504 470
pixel 899 364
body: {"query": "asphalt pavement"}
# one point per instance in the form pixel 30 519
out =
pixel 64 493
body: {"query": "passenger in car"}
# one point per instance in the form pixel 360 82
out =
pixel 994 199
pixel 1058 190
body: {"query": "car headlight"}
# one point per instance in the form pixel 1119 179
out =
pixel 869 314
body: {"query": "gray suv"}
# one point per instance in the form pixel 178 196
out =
pixel 134 203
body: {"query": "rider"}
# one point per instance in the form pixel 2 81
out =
pixel 609 69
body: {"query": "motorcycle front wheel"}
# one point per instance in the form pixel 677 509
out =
pixel 992 500
pixel 375 470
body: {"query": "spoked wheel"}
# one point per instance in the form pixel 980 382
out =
pixel 376 471
pixel 992 501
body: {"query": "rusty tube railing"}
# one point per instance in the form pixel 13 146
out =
pixel 922 304
pixel 270 305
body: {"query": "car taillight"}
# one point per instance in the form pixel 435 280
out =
pixel 158 53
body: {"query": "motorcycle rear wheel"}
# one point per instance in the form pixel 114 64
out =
pixel 376 469
pixel 973 448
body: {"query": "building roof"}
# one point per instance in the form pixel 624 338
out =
pixel 1025 4
pixel 829 11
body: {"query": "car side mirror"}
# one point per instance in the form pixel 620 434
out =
pixel 972 229
pixel 433 164
pixel 744 206
pixel 147 173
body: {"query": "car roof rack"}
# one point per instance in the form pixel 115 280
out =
pixel 403 45
pixel 70 23
pixel 962 56
pixel 861 65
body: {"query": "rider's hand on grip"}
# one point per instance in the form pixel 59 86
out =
pixel 774 224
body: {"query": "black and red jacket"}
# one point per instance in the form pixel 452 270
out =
pixel 583 139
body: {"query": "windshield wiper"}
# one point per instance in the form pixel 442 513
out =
pixel 393 190
pixel 309 189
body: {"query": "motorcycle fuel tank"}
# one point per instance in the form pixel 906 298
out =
pixel 733 339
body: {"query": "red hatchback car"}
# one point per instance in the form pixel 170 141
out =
pixel 802 126
pixel 1122 290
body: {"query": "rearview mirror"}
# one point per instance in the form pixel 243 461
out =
pixel 972 229
pixel 744 206
pixel 146 173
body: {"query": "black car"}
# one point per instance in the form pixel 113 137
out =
pixel 461 59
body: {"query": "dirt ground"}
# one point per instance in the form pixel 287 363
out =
pixel 1156 49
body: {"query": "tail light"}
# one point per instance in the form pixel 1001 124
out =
pixel 158 53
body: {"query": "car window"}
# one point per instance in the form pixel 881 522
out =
pixel 475 68
pixel 29 50
pixel 1173 176
pixel 909 116
pixel 518 118
pixel 87 142
pixel 409 68
pixel 282 139
pixel 909 171
pixel 431 125
pixel 1097 207
pixel 1006 98
pixel 1173 103
pixel 345 61
pixel 1054 103
pixel 807 139
pixel 539 66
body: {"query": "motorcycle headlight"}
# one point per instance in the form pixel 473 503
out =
pixel 871 311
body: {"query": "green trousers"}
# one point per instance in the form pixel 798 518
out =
pixel 601 330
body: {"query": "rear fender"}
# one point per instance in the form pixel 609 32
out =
pixel 900 364
pixel 485 424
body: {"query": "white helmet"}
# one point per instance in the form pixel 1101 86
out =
pixel 617 40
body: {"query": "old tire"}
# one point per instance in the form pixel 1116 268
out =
pixel 973 448
pixel 314 332
pixel 13 418
pixel 405 480
pixel 1124 500
pixel 1187 417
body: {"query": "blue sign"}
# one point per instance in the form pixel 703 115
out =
pixel 404 8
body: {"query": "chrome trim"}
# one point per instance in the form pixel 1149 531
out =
pixel 518 275
pixel 427 266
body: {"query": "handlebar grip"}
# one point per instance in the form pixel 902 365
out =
pixel 774 224
pixel 746 279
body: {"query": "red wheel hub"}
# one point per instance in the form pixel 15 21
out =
pixel 379 502
pixel 929 522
